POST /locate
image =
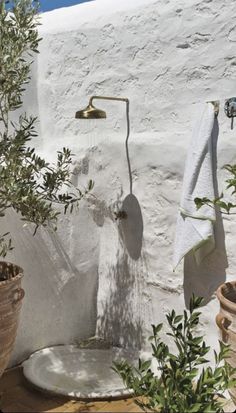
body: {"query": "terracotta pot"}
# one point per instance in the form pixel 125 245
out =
pixel 11 295
pixel 226 321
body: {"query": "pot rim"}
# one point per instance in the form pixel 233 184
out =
pixel 223 300
pixel 16 277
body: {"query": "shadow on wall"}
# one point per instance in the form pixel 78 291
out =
pixel 120 320
pixel 119 316
pixel 131 228
pixel 204 279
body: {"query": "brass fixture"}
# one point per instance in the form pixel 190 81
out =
pixel 120 215
pixel 90 112
pixel 216 105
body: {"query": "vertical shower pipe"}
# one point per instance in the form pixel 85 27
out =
pixel 126 100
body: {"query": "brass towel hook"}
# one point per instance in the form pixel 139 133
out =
pixel 216 104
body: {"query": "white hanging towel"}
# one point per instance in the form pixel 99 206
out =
pixel 195 228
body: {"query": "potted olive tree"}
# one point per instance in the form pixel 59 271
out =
pixel 28 184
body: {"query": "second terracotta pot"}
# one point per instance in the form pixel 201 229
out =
pixel 226 321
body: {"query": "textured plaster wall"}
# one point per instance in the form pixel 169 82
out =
pixel 98 275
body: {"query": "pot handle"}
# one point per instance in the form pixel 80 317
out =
pixel 18 295
pixel 220 321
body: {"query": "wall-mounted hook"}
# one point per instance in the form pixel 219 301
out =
pixel 230 109
pixel 216 104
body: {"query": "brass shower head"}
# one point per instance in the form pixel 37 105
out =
pixel 90 112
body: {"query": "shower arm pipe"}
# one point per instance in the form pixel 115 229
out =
pixel 126 100
pixel 107 98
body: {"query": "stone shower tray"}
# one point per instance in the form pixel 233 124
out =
pixel 78 373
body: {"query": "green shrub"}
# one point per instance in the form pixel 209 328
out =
pixel 181 382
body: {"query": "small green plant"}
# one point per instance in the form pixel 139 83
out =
pixel 225 206
pixel 28 184
pixel 181 383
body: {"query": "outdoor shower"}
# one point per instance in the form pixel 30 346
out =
pixel 74 370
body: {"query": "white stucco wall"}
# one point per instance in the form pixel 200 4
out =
pixel 168 58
